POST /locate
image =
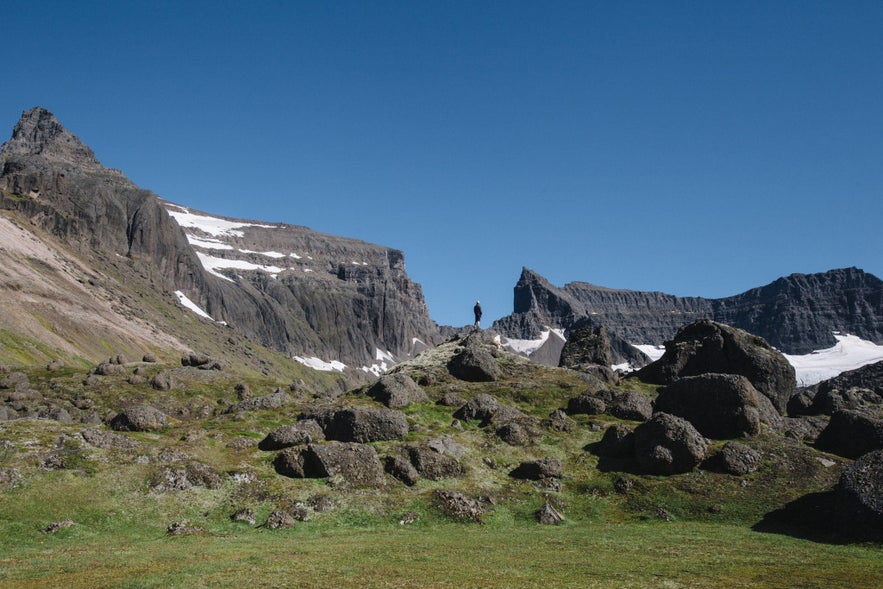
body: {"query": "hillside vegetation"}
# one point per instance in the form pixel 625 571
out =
pixel 193 500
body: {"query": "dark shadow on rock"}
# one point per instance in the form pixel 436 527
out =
pixel 812 517
pixel 625 464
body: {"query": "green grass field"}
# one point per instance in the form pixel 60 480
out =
pixel 633 555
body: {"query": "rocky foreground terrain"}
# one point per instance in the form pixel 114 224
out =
pixel 713 431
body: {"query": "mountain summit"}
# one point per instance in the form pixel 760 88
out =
pixel 38 132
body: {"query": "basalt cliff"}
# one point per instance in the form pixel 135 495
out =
pixel 796 314
pixel 103 241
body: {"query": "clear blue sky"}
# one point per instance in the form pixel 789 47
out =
pixel 695 148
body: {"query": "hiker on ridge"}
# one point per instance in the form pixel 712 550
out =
pixel 477 310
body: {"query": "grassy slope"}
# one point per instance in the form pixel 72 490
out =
pixel 608 539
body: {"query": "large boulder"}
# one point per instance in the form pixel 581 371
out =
pixel 397 391
pixel 432 464
pixel 737 459
pixel 720 406
pixel 402 469
pixel 544 468
pixel 618 441
pixel 708 347
pixel 851 434
pixel 475 363
pixel 830 400
pixel 296 434
pixel 141 418
pixel 276 400
pixel 667 444
pixel 356 464
pixel 622 404
pixel 365 424
pixel 487 409
pixel 859 497
pixel 857 390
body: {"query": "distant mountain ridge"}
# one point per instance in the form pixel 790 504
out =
pixel 291 289
pixel 796 314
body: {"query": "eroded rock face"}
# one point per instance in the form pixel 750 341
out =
pixel 720 406
pixel 708 347
pixel 332 297
pixel 667 444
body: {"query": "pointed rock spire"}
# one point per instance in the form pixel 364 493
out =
pixel 38 132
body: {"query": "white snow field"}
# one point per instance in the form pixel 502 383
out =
pixel 850 352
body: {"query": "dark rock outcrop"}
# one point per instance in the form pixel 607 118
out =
pixel 475 364
pixel 622 404
pixel 618 441
pixel 720 406
pixel 666 444
pixel 859 498
pixel 397 391
pixel 401 468
pixel 432 464
pixel 356 464
pixel 737 459
pixel 142 418
pixel 488 410
pixel 586 344
pixel 364 424
pixel 706 346
pixel 851 434
pixel 296 434
pixel 535 470
pixel 856 390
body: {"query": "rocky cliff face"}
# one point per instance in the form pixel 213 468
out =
pixel 797 314
pixel 286 287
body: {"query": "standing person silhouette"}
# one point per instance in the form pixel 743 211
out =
pixel 477 310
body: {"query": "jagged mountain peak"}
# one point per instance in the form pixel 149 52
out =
pixel 38 132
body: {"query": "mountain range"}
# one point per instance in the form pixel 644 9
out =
pixel 797 314
pixel 94 265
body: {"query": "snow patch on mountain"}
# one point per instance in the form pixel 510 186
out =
pixel 321 365
pixel 850 352
pixel 385 360
pixel 182 298
pixel 214 226
pixel 213 265
pixel 529 346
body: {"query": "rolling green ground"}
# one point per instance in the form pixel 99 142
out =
pixel 499 554
pixel 698 529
